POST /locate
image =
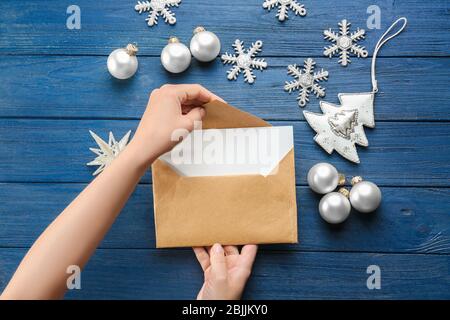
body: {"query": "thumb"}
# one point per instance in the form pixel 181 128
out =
pixel 189 119
pixel 196 114
pixel 218 263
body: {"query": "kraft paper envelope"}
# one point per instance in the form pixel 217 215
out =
pixel 233 209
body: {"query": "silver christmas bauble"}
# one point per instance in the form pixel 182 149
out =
pixel 205 45
pixel 365 196
pixel 175 57
pixel 122 63
pixel 323 178
pixel 334 207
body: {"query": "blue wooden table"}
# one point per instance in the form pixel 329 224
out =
pixel 54 87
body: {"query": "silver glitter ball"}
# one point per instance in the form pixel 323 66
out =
pixel 122 63
pixel 334 207
pixel 365 196
pixel 205 45
pixel 175 57
pixel 323 178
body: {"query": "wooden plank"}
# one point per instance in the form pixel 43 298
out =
pixel 175 274
pixel 31 28
pixel 409 159
pixel 80 87
pixel 27 209
pixel 401 153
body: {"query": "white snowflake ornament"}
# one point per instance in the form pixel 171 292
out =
pixel 306 81
pixel 284 6
pixel 345 43
pixel 107 151
pixel 244 61
pixel 156 8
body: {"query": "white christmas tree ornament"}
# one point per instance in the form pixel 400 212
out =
pixel 306 81
pixel 284 6
pixel 244 61
pixel 341 127
pixel 107 152
pixel 156 8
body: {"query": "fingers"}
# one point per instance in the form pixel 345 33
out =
pixel 248 254
pixel 189 119
pixel 231 250
pixel 216 97
pixel 218 263
pixel 190 92
pixel 187 94
pixel 199 103
pixel 196 114
pixel 193 103
pixel 202 257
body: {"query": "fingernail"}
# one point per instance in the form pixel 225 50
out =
pixel 217 248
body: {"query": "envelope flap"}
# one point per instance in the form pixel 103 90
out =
pixel 220 115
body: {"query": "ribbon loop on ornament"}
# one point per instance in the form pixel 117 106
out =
pixel 384 38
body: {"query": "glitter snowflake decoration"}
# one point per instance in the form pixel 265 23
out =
pixel 345 42
pixel 107 151
pixel 244 61
pixel 156 8
pixel 306 81
pixel 284 6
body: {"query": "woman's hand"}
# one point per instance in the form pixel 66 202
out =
pixel 73 236
pixel 170 108
pixel 226 271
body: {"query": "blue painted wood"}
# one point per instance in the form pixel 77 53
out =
pixel 417 153
pixel 76 87
pixel 51 72
pixel 175 274
pixel 401 220
pixel 28 27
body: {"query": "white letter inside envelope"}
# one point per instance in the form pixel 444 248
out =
pixel 235 151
